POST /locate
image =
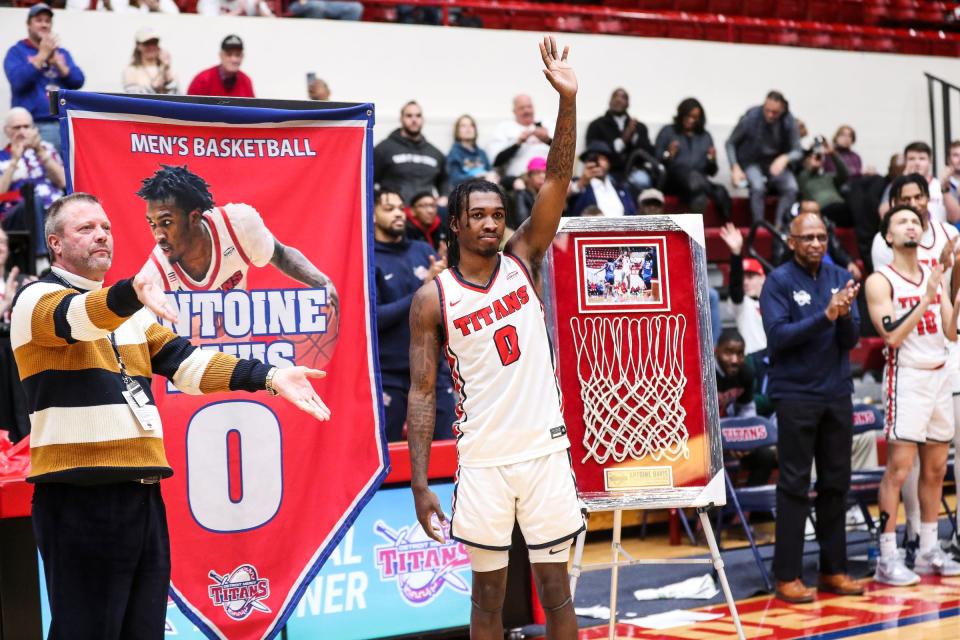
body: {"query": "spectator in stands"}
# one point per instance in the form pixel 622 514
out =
pixel 843 141
pixel 412 14
pixel 763 143
pixel 466 160
pixel 597 187
pixel 950 183
pixel 13 401
pixel 225 79
pixel 917 159
pixel 524 198
pixel 326 9
pixel 623 134
pixel 149 69
pixel 650 202
pixel 734 380
pixel 517 141
pixel 810 317
pixel 425 224
pixel 318 89
pixel 402 267
pixel 234 8
pixel 687 152
pixel 38 64
pixel 822 186
pixel 28 160
pixel 911 190
pixel 124 6
pixel 746 283
pixel 406 163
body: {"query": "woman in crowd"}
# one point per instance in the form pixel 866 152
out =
pixel 466 160
pixel 149 70
pixel 687 152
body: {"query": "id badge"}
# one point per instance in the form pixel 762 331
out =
pixel 147 415
pixel 137 393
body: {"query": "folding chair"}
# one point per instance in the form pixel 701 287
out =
pixel 745 435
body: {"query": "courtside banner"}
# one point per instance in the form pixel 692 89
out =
pixel 277 265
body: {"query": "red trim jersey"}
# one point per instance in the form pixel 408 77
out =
pixel 926 346
pixel 239 239
pixel 496 340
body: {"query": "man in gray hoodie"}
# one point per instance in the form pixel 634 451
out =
pixel 405 162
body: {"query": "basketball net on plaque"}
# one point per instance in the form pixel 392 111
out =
pixel 628 305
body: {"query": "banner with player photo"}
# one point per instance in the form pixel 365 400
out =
pixel 254 216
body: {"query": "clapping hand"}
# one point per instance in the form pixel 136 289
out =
pixel 842 300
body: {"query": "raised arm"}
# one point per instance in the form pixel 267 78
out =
pixel 421 402
pixel 534 236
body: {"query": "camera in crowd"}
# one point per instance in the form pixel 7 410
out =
pixel 819 145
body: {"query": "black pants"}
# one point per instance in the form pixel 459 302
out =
pixel 106 559
pixel 694 188
pixel 808 430
pixel 395 410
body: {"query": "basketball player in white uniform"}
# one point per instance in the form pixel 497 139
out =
pixel 912 311
pixel 204 247
pixel 485 313
pixel 934 247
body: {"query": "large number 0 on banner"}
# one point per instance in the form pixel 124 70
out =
pixel 260 466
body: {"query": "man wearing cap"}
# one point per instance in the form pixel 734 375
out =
pixel 36 65
pixel 225 79
pixel 149 70
pixel 651 202
pixel 596 187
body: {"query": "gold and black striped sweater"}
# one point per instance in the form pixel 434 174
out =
pixel 82 430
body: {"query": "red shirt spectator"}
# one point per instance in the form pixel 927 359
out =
pixel 225 79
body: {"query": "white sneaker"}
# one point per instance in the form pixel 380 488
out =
pixel 937 562
pixel 894 572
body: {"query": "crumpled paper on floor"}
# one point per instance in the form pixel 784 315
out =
pixel 696 588
pixel 675 618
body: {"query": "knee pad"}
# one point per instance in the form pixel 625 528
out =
pixel 482 560
pixel 559 552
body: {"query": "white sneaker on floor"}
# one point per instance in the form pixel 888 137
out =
pixel 894 572
pixel 936 562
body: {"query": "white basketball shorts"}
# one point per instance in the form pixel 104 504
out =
pixel 540 494
pixel 919 404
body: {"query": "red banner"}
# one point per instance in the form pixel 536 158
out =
pixel 261 492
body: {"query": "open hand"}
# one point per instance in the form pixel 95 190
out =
pixel 558 72
pixel 293 385
pixel 732 236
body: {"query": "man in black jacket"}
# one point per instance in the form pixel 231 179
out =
pixel 629 140
pixel 406 163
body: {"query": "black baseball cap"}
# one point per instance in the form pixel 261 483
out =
pixel 40 7
pixel 232 41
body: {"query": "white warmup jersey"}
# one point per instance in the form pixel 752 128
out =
pixel 926 346
pixel 503 370
pixel 239 239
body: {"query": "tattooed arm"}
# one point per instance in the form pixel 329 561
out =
pixel 294 264
pixel 534 236
pixel 421 402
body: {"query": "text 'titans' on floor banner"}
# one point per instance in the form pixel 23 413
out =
pixel 277 265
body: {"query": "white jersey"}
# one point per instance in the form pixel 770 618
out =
pixel 926 346
pixel 928 249
pixel 239 239
pixel 496 341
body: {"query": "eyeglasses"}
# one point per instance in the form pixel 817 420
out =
pixel 810 238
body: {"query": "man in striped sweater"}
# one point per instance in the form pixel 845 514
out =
pixel 86 354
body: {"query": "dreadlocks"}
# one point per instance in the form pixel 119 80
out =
pixel 186 190
pixel 457 203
